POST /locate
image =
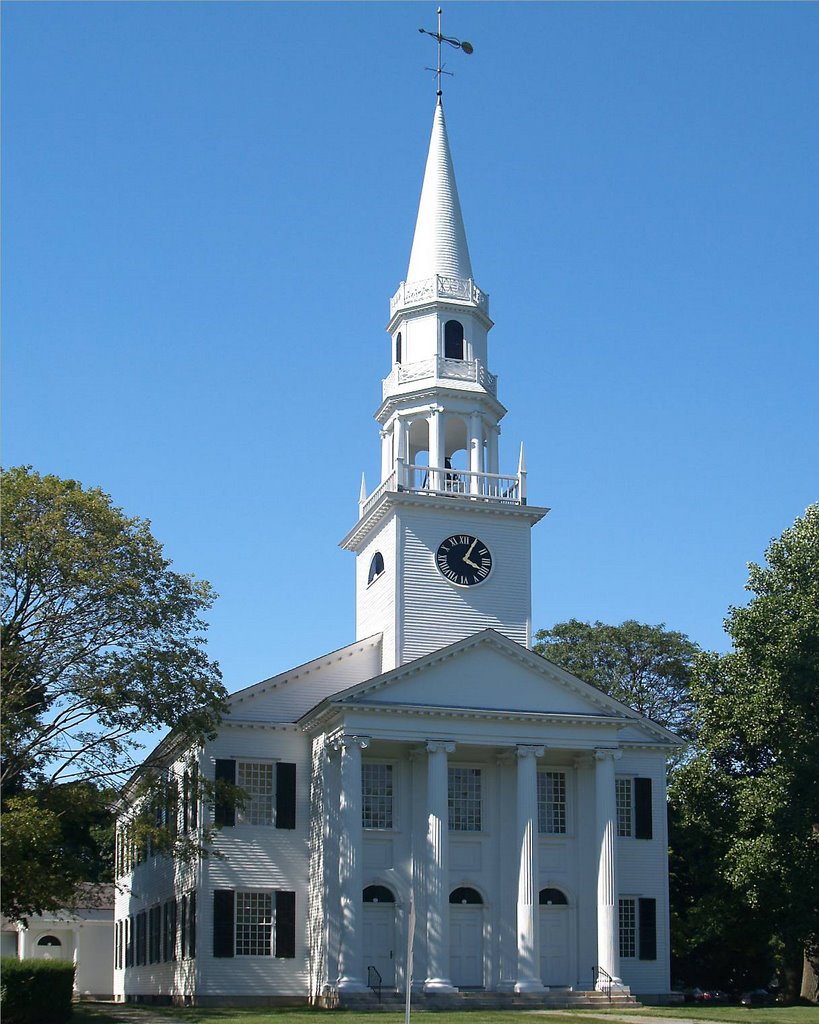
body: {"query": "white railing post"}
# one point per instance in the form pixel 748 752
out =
pixel 522 476
pixel 400 474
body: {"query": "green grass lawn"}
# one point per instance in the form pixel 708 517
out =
pixel 133 1014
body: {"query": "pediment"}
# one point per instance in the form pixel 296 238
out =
pixel 489 672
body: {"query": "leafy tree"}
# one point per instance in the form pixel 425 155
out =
pixel 647 667
pixel 757 773
pixel 102 641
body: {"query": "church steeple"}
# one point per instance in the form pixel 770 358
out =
pixel 439 245
pixel 442 543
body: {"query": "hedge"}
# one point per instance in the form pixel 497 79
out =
pixel 36 991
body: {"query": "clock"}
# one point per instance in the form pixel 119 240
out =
pixel 463 560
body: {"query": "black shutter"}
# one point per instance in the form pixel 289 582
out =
pixel 223 922
pixel 285 795
pixel 286 925
pixel 648 929
pixel 192 924
pixel 225 808
pixel 642 809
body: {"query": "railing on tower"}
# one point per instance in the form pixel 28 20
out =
pixel 451 482
pixel 440 368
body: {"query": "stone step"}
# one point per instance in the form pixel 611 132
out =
pixel 559 999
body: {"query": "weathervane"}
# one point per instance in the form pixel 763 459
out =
pixel 457 44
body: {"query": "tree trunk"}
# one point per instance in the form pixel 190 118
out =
pixel 810 980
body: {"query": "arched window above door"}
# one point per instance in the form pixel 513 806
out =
pixel 49 940
pixel 453 339
pixel 378 894
pixel 463 894
pixel 552 898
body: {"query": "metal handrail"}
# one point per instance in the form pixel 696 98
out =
pixel 374 980
pixel 601 972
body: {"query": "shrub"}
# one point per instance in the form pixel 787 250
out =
pixel 36 991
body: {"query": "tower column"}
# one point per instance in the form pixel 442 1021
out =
pixel 492 449
pixel 475 451
pixel 349 865
pixel 438 867
pixel 528 973
pixel 436 448
pixel 606 826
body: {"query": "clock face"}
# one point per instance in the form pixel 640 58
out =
pixel 463 560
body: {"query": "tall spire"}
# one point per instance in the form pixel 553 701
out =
pixel 439 244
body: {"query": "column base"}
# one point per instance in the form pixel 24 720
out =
pixel 530 985
pixel 348 984
pixel 440 986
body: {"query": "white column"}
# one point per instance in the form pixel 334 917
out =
pixel 528 975
pixel 436 448
pixel 437 867
pixel 608 956
pixel 24 943
pixel 475 451
pixel 492 449
pixel 349 865
pixel 387 459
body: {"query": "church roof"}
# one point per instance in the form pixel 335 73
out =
pixel 439 244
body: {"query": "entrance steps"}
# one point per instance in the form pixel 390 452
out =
pixel 478 999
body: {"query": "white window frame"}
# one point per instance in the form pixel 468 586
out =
pixel 259 894
pixel 624 787
pixel 388 797
pixel 542 805
pixel 450 802
pixel 254 812
pixel 628 904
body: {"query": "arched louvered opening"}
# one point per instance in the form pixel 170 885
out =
pixel 453 339
pixel 378 894
pixel 376 567
pixel 465 896
pixel 552 898
pixel 398 352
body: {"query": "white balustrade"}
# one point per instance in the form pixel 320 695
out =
pixel 439 287
pixel 439 368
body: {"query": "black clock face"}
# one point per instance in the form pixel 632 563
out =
pixel 464 560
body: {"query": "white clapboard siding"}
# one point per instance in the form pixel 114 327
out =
pixel 375 602
pixel 435 612
pixel 286 697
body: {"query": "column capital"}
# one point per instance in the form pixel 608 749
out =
pixel 347 742
pixel 440 746
pixel 524 750
pixel 604 753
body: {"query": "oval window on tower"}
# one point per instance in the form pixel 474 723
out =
pixel 376 568
pixel 453 339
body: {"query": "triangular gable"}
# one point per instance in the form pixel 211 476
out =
pixel 489 671
pixel 289 695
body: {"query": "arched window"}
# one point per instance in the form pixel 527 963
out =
pixel 49 940
pixel 376 567
pixel 398 347
pixel 552 898
pixel 465 895
pixel 378 894
pixel 453 339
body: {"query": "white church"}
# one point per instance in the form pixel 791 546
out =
pixel 435 777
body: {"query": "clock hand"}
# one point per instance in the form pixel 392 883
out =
pixel 469 552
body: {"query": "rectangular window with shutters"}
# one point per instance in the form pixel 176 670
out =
pixel 638 928
pixel 141 939
pixel 256 779
pixel 634 808
pixel 169 931
pixel 551 802
pixel 376 795
pixel 254 923
pixel 465 799
pixel 270 793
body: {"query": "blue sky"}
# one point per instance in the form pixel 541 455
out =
pixel 207 207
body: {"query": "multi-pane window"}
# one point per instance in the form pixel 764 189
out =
pixel 465 799
pixel 254 924
pixel 256 779
pixel 628 928
pixel 625 807
pixel 376 795
pixel 551 802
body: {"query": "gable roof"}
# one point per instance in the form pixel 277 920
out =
pixel 505 677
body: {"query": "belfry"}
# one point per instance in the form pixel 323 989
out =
pixel 434 785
